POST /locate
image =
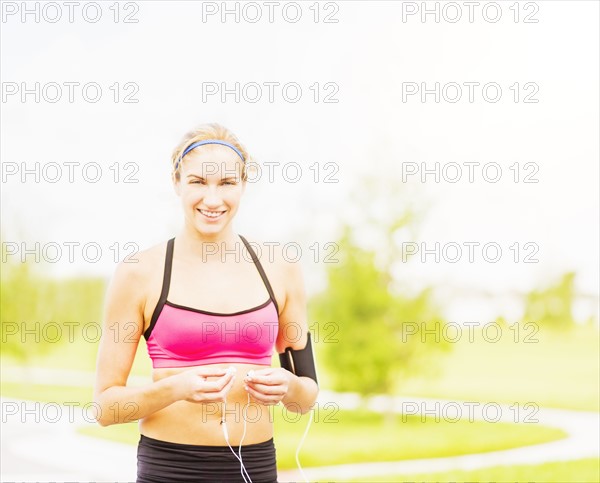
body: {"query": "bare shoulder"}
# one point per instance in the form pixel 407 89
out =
pixel 136 274
pixel 282 262
pixel 142 263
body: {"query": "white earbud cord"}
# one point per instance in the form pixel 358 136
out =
pixel 226 435
pixel 238 455
pixel 244 413
pixel 310 416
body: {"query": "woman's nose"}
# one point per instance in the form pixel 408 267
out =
pixel 212 197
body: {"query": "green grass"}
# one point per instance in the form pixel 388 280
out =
pixel 578 471
pixel 560 370
pixel 63 355
pixel 361 436
pixel 336 437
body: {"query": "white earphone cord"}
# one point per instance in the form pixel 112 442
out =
pixel 244 412
pixel 310 416
pixel 245 477
pixel 238 455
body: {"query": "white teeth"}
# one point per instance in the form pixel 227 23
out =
pixel 212 214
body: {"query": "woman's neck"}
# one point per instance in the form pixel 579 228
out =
pixel 213 247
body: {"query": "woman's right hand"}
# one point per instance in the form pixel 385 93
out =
pixel 194 385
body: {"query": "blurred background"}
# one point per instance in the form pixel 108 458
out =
pixel 434 165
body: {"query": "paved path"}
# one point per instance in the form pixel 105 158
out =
pixel 39 441
pixel 53 451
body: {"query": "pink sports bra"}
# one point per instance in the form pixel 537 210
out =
pixel 180 336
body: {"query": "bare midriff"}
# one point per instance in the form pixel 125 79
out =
pixel 200 423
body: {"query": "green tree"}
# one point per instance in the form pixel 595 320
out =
pixel 552 306
pixel 381 339
pixel 39 314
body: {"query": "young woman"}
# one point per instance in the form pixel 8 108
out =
pixel 212 307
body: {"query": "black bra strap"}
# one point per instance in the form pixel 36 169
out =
pixel 261 271
pixel 168 268
pixel 165 287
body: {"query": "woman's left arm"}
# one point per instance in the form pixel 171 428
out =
pixel 272 385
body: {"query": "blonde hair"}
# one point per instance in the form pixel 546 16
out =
pixel 201 133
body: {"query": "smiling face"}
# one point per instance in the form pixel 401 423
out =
pixel 210 186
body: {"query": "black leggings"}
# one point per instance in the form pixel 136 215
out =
pixel 162 461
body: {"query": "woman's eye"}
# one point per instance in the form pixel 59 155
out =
pixel 196 181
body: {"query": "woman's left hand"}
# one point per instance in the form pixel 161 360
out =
pixel 269 385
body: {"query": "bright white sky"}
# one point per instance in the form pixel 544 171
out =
pixel 171 53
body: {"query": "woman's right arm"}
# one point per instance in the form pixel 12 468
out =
pixel 122 328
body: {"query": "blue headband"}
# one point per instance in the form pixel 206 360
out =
pixel 208 141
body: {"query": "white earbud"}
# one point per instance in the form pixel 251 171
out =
pixel 224 426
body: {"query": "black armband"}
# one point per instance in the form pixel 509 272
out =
pixel 300 361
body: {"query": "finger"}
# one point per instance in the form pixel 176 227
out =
pixel 210 371
pixel 266 379
pixel 261 398
pixel 210 395
pixel 228 387
pixel 267 390
pixel 267 371
pixel 218 384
